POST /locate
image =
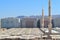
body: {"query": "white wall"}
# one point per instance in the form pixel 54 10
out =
pixel 57 22
pixel 10 22
pixel 0 23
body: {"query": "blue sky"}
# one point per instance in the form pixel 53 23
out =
pixel 13 8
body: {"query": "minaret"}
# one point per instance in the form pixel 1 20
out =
pixel 49 17
pixel 42 21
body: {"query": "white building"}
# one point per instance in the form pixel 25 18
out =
pixel 10 22
pixel 28 22
pixel 0 23
pixel 57 22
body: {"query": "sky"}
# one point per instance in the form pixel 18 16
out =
pixel 13 8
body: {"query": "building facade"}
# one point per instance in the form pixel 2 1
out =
pixel 29 22
pixel 57 22
pixel 0 23
pixel 46 22
pixel 10 22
